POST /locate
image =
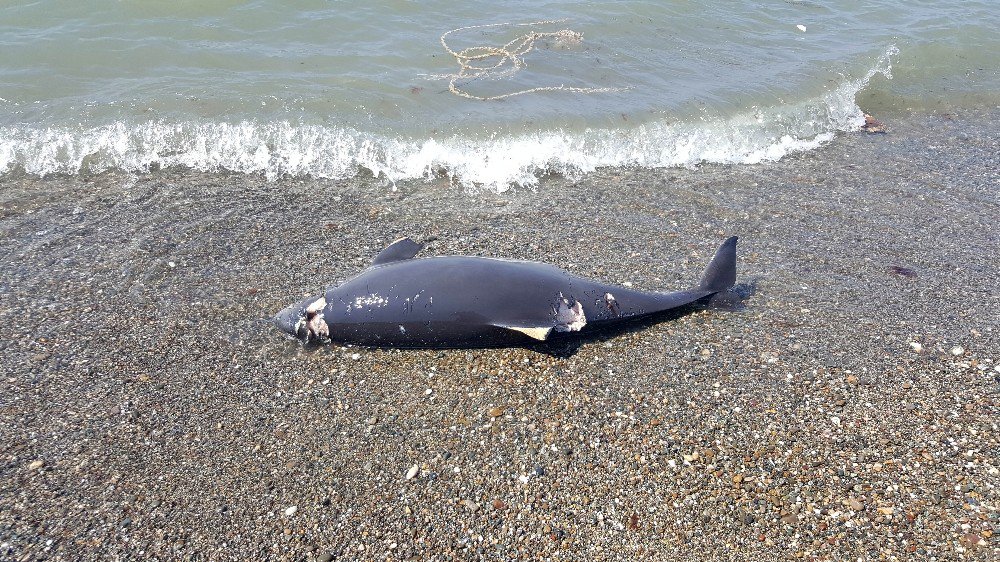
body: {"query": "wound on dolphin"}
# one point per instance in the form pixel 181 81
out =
pixel 466 301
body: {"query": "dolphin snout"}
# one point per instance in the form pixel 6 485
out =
pixel 300 320
pixel 289 320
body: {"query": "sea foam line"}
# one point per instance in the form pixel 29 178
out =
pixel 283 148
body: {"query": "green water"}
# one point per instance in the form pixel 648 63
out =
pixel 331 88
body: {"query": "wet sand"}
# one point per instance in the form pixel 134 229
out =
pixel 151 412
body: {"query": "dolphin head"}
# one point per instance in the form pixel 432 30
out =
pixel 304 320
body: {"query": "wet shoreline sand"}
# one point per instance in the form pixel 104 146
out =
pixel 151 412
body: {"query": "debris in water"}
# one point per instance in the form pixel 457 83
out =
pixel 873 125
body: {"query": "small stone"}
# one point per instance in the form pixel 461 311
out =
pixel 907 385
pixel 539 471
pixel 852 379
pixel 957 350
pixel 971 540
pixel 470 505
pixel 355 356
pixel 325 557
pixel 915 346
pixel 412 473
pixel 35 465
pixel 290 511
pixel 692 457
pixel 886 510
pixel 499 504
pixel 738 479
pixel 835 420
pixel 496 412
pixel 790 519
pixel 855 505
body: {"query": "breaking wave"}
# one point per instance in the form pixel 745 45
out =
pixel 283 148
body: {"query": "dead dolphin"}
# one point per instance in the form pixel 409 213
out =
pixel 464 301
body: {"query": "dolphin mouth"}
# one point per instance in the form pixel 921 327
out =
pixel 304 320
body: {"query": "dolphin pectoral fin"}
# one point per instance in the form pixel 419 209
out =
pixel 540 334
pixel 402 249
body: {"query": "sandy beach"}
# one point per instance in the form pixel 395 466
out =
pixel 151 412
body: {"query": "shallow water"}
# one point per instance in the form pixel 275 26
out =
pixel 332 89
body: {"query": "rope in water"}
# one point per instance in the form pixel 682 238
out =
pixel 475 62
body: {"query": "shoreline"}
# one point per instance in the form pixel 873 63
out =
pixel 152 412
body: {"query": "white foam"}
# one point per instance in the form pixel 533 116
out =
pixel 283 148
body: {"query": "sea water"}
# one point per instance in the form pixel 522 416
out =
pixel 333 89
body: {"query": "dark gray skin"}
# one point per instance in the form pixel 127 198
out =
pixel 460 301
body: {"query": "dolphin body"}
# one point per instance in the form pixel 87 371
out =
pixel 464 301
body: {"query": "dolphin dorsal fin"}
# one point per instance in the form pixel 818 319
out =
pixel 402 249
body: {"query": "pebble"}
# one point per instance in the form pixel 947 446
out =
pixel 777 438
pixel 801 28
pixel 35 465
pixel 412 473
pixel 290 511
pixel 970 540
pixel 957 350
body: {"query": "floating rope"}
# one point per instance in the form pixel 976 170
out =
pixel 505 61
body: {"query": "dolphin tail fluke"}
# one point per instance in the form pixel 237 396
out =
pixel 720 274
